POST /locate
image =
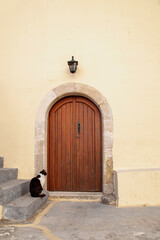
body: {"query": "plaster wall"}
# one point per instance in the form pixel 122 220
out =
pixel 140 189
pixel 117 44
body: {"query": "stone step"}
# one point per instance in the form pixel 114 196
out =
pixel 24 207
pixel 1 162
pixel 13 189
pixel 8 174
pixel 77 195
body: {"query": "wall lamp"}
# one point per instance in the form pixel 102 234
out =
pixel 72 65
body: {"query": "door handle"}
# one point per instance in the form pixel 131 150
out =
pixel 79 127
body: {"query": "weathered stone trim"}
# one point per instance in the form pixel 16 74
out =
pixel 100 101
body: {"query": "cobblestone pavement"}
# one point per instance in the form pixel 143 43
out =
pixel 81 220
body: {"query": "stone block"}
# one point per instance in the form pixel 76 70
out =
pixel 106 111
pixel 108 125
pixel 107 154
pixel 8 174
pixel 24 207
pixel 65 89
pixel 90 93
pixel 108 140
pixel 1 162
pixel 39 147
pixel 108 169
pixel 109 199
pixel 45 105
pixel 108 188
pixel 40 127
pixel 39 162
pixel 12 190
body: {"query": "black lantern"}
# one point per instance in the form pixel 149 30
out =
pixel 72 65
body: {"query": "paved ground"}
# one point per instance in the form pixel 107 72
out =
pixel 78 220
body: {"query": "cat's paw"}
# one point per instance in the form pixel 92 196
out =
pixel 42 195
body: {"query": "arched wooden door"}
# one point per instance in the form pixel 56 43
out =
pixel 74 146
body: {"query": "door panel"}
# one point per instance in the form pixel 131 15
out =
pixel 74 146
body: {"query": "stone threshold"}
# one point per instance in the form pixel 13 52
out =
pixel 76 195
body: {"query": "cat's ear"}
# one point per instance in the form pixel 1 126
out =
pixel 43 172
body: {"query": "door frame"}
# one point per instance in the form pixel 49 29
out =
pixel 73 89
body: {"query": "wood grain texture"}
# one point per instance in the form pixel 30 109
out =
pixel 74 157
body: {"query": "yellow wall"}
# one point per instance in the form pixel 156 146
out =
pixel 117 44
pixel 138 188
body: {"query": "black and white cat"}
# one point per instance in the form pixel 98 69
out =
pixel 37 183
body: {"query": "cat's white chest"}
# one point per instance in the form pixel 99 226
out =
pixel 42 179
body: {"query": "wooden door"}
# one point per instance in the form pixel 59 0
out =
pixel 74 146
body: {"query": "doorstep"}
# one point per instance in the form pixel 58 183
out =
pixel 76 195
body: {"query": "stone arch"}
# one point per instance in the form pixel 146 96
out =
pixel 49 100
